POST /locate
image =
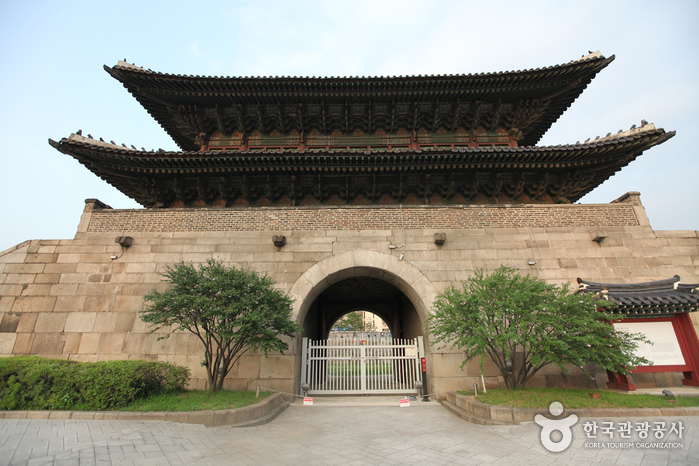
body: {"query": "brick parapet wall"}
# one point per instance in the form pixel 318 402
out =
pixel 362 218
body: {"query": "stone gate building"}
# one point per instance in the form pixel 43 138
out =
pixel 352 193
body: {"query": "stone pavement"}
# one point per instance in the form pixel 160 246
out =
pixel 336 432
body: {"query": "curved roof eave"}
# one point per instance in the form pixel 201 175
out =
pixel 646 139
pixel 557 85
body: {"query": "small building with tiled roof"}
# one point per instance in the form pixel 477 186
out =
pixel 659 310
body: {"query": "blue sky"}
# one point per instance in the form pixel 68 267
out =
pixel 52 82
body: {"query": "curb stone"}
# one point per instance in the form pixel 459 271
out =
pixel 466 416
pixel 511 415
pixel 256 414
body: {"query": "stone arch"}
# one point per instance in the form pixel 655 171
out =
pixel 363 263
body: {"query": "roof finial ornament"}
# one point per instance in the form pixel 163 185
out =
pixel 113 143
pixel 633 126
pixel 643 123
pixel 89 136
pixel 608 134
pixel 587 140
pixel 596 137
pixel 79 132
pixel 101 139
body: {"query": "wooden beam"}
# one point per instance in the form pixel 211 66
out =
pixel 299 115
pixel 496 117
pixel 369 128
pixel 477 116
pixel 416 108
pixel 435 116
pixel 240 120
pixel 219 120
pixel 259 117
pixel 280 113
pixel 455 119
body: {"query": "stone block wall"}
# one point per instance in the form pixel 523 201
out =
pixel 80 298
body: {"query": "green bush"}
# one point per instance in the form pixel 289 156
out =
pixel 31 382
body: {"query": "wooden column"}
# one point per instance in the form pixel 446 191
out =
pixel 689 342
pixel 619 381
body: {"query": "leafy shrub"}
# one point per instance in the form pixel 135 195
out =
pixel 31 382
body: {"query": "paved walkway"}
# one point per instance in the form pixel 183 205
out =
pixel 340 432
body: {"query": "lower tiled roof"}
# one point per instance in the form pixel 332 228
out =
pixel 553 174
pixel 648 299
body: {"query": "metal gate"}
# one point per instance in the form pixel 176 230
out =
pixel 378 365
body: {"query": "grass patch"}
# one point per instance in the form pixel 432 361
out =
pixel 195 400
pixel 578 398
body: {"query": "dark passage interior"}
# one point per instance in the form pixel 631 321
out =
pixel 362 293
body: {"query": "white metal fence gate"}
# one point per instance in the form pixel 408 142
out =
pixel 361 366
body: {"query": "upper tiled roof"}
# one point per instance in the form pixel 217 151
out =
pixel 528 101
pixel 648 299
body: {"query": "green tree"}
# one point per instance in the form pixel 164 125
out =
pixel 230 310
pixel 524 324
pixel 351 322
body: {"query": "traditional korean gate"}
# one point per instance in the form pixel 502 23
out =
pixel 361 366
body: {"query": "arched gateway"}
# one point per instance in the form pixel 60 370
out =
pixel 393 289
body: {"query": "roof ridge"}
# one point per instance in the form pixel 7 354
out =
pixel 77 137
pixel 645 127
pixel 592 286
pixel 593 56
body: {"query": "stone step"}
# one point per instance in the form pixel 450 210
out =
pixel 466 416
pixel 363 400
